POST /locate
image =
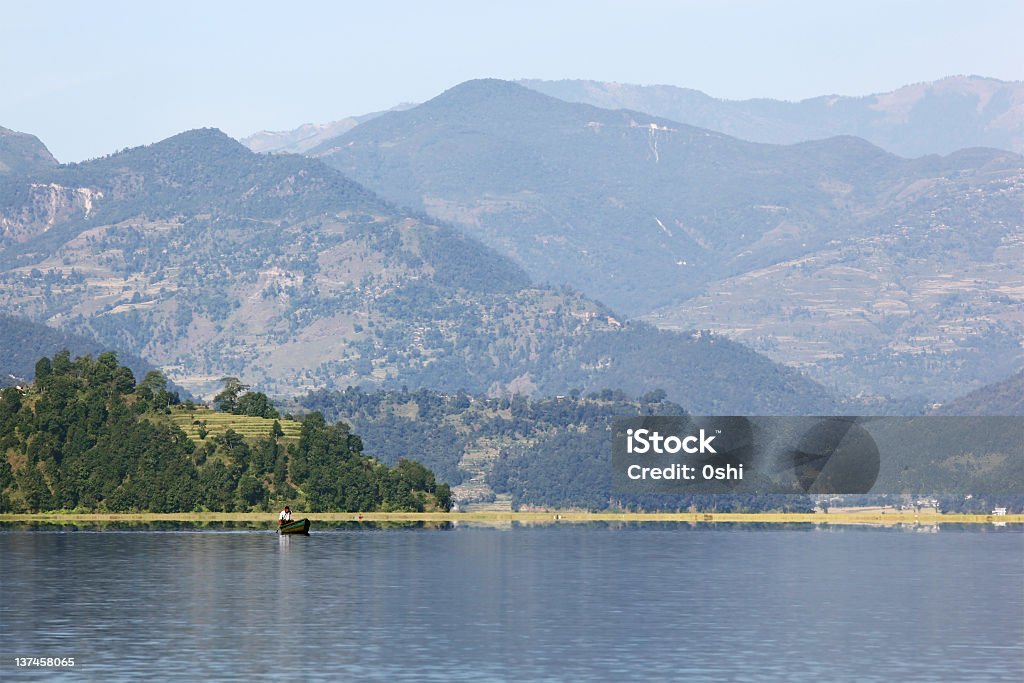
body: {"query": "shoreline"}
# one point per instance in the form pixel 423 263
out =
pixel 552 517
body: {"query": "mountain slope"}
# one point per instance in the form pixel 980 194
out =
pixel 999 398
pixel 655 217
pixel 212 260
pixel 939 117
pixel 24 342
pixel 642 211
pixel 23 153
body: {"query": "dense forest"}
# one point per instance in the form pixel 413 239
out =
pixel 86 437
pixel 549 452
pixel 555 452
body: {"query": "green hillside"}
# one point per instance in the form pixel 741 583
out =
pixel 85 437
pixel 517 453
pixel 195 421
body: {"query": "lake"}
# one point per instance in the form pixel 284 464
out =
pixel 589 602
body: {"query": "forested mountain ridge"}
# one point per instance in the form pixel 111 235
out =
pixel 24 342
pixel 833 255
pixel 937 117
pixel 1005 397
pixel 461 436
pixel 208 259
pixel 514 453
pixel 84 436
pixel 643 211
pixel 555 452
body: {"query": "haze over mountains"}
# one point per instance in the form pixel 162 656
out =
pixel 939 117
pixel 429 247
pixel 307 136
pixel 208 259
pixel 874 273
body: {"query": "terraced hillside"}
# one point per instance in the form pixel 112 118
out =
pixel 203 423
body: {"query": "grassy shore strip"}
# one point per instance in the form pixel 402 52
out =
pixel 525 517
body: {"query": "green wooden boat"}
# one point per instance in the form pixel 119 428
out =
pixel 297 526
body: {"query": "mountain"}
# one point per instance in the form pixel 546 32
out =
pixel 939 117
pixel 23 153
pixel 936 117
pixel 307 136
pixel 24 342
pixel 211 260
pixel 299 139
pixel 871 272
pixel 999 398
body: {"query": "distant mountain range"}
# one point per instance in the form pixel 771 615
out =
pixel 936 117
pixel 419 262
pixel 210 260
pixel 939 117
pixel 309 135
pixel 873 273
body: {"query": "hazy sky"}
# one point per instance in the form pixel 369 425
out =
pixel 92 77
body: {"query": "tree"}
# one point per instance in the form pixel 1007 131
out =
pixel 255 404
pixel 153 391
pixel 43 369
pixel 227 399
pixel 443 493
pixel 34 490
pixel 655 396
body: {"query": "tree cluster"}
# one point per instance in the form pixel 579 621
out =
pixel 237 399
pixel 86 437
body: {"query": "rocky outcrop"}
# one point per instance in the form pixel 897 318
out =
pixel 46 205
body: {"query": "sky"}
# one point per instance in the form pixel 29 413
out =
pixel 90 78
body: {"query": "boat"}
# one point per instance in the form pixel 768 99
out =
pixel 297 526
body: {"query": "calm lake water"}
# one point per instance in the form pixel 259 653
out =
pixel 557 603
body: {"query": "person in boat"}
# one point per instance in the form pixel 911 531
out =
pixel 285 516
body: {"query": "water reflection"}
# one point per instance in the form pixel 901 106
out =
pixel 351 525
pixel 562 602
